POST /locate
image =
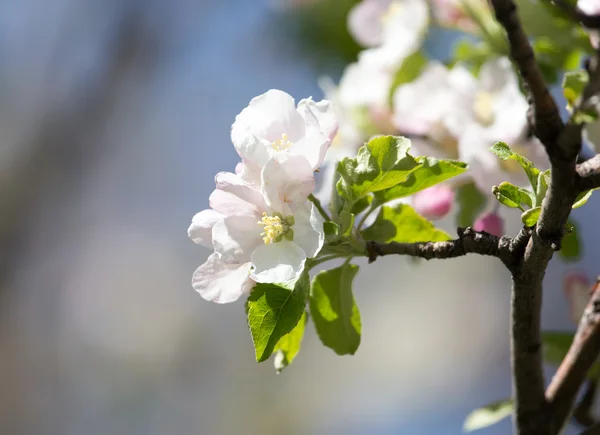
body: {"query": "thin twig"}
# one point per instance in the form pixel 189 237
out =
pixel 582 354
pixel 469 241
pixel 319 207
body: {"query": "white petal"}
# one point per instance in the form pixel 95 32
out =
pixel 220 282
pixel 323 112
pixel 230 204
pixel 365 23
pixel 269 115
pixel 200 231
pixel 364 84
pixel 287 180
pixel 235 237
pixel 278 262
pixel 496 74
pixel 308 229
pixel 232 183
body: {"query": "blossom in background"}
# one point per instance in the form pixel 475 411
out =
pixel 591 7
pixel 490 222
pixel 373 23
pixel 257 236
pixel 434 202
pixel 272 125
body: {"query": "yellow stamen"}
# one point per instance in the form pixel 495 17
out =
pixel 273 228
pixel 483 106
pixel 392 10
pixel 282 144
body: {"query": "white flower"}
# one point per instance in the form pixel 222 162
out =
pixel 498 112
pixel 591 7
pixel 381 22
pixel 258 235
pixel 272 125
pixel 432 106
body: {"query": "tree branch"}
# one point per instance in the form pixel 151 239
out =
pixel 469 241
pixel 532 412
pixel 582 354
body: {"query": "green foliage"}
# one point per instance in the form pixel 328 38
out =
pixel 488 415
pixel 382 163
pixel 332 231
pixel 503 151
pixel 289 345
pixel 471 202
pixel 531 216
pixel 573 84
pixel 408 71
pixel 513 196
pixel 273 311
pixel 334 311
pixel 403 224
pixel 430 172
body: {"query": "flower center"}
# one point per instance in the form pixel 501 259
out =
pixel 483 107
pixel 276 227
pixel 392 10
pixel 282 144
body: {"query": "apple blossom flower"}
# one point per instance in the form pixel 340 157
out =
pixel 272 125
pixel 376 22
pixel 261 235
pixel 431 106
pixel 434 202
pixel 490 222
pixel 576 286
pixel 498 112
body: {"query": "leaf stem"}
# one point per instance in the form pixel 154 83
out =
pixel 312 198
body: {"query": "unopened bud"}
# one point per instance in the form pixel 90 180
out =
pixel 435 202
pixel 490 222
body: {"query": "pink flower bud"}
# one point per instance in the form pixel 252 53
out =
pixel 577 286
pixel 490 222
pixel 435 202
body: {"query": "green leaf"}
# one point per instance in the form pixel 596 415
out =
pixel 503 151
pixel 488 415
pixel 513 196
pixel 571 244
pixel 382 163
pixel 470 202
pixel 273 311
pixel 582 198
pixel 332 231
pixel 531 216
pixel 346 222
pixel 409 70
pixel 403 224
pixel 361 205
pixel 288 346
pixel 334 311
pixel 542 187
pixel 430 172
pixel 586 116
pixel 573 84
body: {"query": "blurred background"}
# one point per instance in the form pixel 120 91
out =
pixel 114 118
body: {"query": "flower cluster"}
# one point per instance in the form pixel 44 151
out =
pixel 261 223
pixel 447 112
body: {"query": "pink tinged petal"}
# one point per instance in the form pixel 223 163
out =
pixel 270 115
pixel 308 229
pixel 221 282
pixel 323 113
pixel 230 204
pixel 435 202
pixel 312 147
pixel 235 237
pixel 287 180
pixel 200 231
pixel 232 183
pixel 365 23
pixel 577 287
pixel 239 168
pixel 278 262
pixel 589 7
pixel 490 223
pixel 249 147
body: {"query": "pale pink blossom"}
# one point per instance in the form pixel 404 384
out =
pixel 434 202
pixel 490 222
